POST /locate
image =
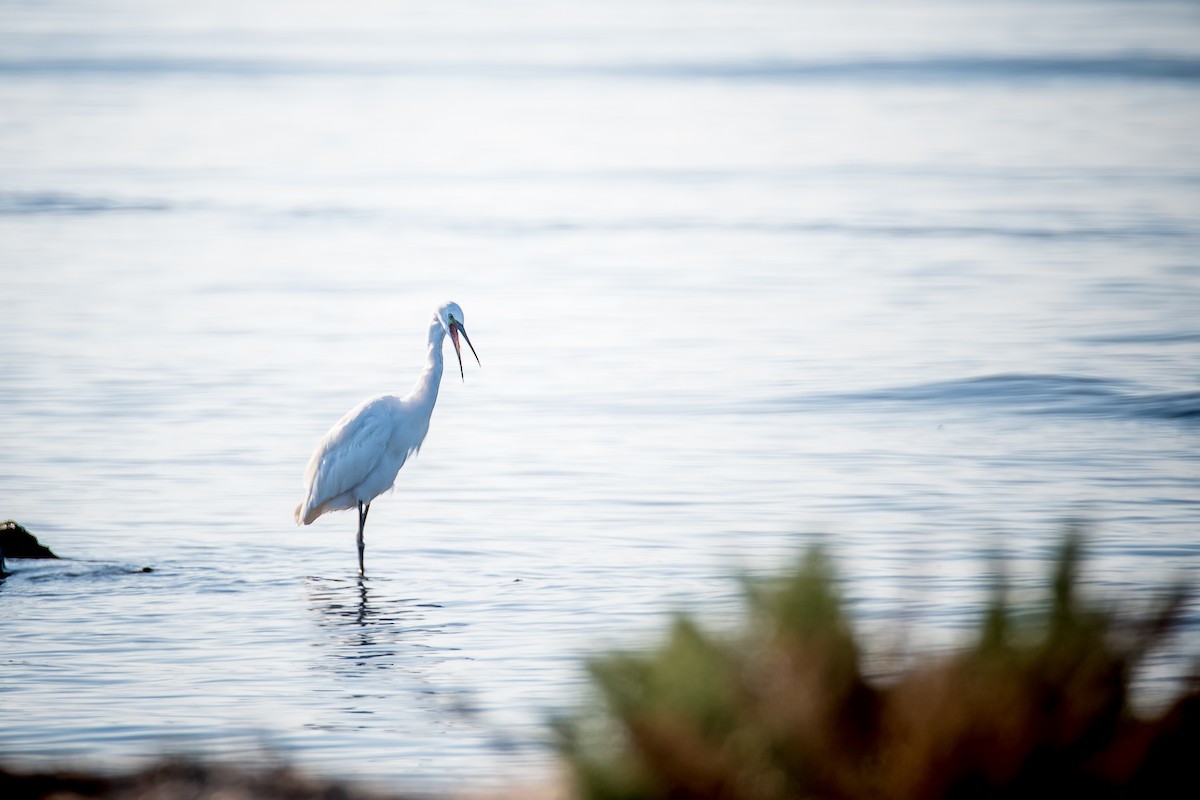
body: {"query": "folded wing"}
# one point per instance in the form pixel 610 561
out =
pixel 345 459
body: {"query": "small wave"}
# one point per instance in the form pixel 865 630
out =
pixel 1159 229
pixel 68 569
pixel 1182 337
pixel 164 65
pixel 1033 394
pixel 949 68
pixel 20 203
pixel 535 227
pixel 936 69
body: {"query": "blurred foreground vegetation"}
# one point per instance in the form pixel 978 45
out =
pixel 1037 705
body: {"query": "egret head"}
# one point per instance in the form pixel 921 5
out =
pixel 451 317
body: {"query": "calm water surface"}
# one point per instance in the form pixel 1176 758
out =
pixel 919 279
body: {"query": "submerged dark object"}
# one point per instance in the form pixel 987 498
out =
pixel 16 542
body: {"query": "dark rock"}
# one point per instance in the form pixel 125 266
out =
pixel 182 780
pixel 16 542
pixel 37 786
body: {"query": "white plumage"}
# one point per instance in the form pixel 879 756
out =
pixel 360 456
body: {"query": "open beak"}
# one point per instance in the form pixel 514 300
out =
pixel 455 330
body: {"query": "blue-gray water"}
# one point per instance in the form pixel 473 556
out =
pixel 920 278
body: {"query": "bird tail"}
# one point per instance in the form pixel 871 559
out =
pixel 306 515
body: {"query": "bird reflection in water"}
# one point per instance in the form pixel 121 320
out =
pixel 366 629
pixel 390 658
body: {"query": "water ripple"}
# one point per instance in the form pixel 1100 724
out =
pixel 1029 394
pixel 20 203
pixel 948 68
pixel 952 68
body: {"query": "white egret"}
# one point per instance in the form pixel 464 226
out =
pixel 360 456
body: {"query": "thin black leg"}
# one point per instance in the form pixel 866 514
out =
pixel 362 523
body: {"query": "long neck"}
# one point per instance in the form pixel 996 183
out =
pixel 426 388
